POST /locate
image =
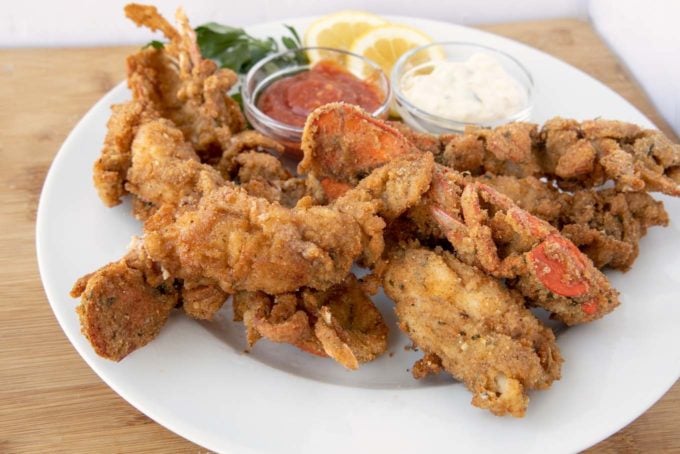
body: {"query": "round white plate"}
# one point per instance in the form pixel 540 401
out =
pixel 196 379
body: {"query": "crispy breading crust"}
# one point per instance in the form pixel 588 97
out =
pixel 124 304
pixel 178 84
pixel 247 243
pixel 605 224
pixel 342 142
pixel 173 83
pixel 201 299
pixel 574 155
pixel 110 169
pixel 473 327
pixel 341 322
pixel 165 170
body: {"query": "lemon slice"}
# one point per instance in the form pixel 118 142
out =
pixel 385 44
pixel 338 30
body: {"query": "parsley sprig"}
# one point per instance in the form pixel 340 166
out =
pixel 233 48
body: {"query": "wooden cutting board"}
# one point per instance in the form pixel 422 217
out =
pixel 50 399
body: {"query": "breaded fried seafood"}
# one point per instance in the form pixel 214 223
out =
pixel 470 235
pixel 471 326
pixel 340 322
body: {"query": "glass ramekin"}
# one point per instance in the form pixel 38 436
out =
pixel 425 121
pixel 291 62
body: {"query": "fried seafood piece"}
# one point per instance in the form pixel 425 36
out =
pixel 340 322
pixel 490 231
pixel 278 318
pixel 110 169
pixel 486 228
pixel 506 150
pixel 470 325
pixel 241 143
pixel 201 299
pixel 247 243
pixel 178 84
pixel 331 137
pixel 165 170
pixel 575 155
pixel 605 224
pixel 263 175
pixel 594 151
pixel 124 304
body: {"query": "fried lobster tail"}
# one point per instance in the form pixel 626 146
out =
pixel 470 325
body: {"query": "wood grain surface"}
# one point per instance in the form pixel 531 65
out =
pixel 50 399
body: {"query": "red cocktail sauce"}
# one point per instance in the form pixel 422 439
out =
pixel 291 99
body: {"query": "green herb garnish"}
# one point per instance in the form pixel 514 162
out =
pixel 155 44
pixel 233 48
pixel 294 43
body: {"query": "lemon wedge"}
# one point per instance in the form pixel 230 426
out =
pixel 385 44
pixel 338 31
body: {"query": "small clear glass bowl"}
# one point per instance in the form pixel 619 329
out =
pixel 422 120
pixel 291 62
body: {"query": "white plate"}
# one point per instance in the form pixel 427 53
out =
pixel 196 380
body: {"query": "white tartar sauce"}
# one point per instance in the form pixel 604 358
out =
pixel 476 90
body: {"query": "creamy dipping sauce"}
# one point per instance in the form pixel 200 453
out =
pixel 476 90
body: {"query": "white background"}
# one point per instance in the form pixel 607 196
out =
pixel 78 22
pixel 644 33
